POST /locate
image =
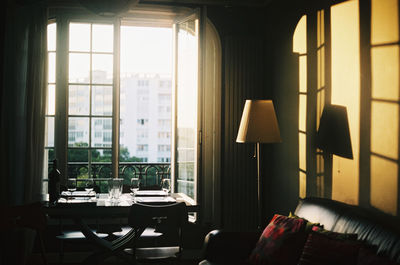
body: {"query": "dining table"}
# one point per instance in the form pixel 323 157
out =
pixel 98 205
pixel 80 207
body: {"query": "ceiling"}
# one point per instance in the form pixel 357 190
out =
pixel 212 2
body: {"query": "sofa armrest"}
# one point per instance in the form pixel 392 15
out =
pixel 229 247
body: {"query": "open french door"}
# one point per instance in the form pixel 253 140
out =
pixel 186 100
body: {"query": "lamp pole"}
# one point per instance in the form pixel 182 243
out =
pixel 258 185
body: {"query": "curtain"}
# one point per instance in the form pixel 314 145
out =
pixel 23 102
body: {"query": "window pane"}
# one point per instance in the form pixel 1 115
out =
pixel 51 36
pixel 186 97
pixel 49 140
pixel 49 153
pixel 102 38
pixel 102 69
pixel 79 68
pixel 52 67
pixel 101 132
pixel 78 155
pixel 79 37
pixel 145 50
pixel 51 99
pixel 101 155
pixel 78 132
pixel 78 100
pixel 101 100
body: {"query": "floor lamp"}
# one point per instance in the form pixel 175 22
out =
pixel 258 125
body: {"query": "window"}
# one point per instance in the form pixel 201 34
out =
pixel 51 90
pixel 90 87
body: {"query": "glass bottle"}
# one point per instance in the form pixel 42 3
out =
pixel 54 183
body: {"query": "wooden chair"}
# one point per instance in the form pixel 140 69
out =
pixel 73 237
pixel 29 216
pixel 168 219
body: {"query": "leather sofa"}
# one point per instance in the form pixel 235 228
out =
pixel 372 227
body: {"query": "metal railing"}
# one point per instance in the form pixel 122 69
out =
pixel 150 174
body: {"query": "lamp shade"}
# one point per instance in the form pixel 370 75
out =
pixel 333 134
pixel 258 123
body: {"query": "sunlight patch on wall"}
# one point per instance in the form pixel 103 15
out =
pixel 302 185
pixel 384 184
pixel 300 36
pixel 300 47
pixel 346 91
pixel 384 129
pixel 302 112
pixel 384 105
pixel 303 73
pixel 384 17
pixel 385 72
pixel 302 152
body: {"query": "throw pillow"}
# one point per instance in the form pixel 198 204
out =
pixel 334 235
pixel 309 225
pixel 368 256
pixel 322 249
pixel 281 242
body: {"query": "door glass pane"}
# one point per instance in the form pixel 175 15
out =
pixel 78 102
pixel 103 38
pixel 79 37
pixel 49 140
pixel 145 96
pixel 101 132
pixel 186 106
pixel 51 100
pixel 102 100
pixel 52 67
pixel 79 68
pixel 78 132
pixel 102 65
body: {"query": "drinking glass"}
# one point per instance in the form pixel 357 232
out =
pixel 166 185
pixel 135 182
pixel 115 188
pixel 71 185
pixel 89 185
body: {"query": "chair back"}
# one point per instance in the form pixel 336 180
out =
pixel 169 215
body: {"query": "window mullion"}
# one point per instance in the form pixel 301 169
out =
pixel 90 102
pixel 116 98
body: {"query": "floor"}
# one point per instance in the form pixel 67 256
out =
pixel 190 257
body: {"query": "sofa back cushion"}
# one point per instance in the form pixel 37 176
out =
pixel 372 227
pixel 327 250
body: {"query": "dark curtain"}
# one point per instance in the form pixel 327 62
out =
pixel 23 102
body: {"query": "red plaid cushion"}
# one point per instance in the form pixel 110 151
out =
pixel 281 242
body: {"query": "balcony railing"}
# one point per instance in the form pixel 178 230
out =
pixel 150 174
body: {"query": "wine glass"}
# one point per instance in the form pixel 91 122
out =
pixel 166 185
pixel 135 182
pixel 89 185
pixel 71 185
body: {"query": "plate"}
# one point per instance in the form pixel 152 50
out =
pixel 151 193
